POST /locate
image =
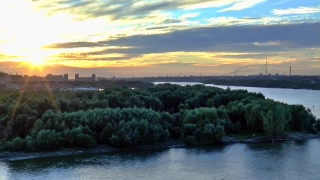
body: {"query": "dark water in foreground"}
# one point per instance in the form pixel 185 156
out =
pixel 287 160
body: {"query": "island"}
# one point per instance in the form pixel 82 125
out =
pixel 128 118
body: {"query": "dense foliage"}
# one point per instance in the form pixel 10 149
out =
pixel 125 118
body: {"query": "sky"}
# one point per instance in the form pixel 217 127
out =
pixel 138 38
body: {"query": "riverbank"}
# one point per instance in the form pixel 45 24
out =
pixel 290 137
pixel 15 156
pixel 267 83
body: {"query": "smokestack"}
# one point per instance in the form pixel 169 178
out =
pixel 266 66
pixel 290 70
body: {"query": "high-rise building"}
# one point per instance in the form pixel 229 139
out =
pixel 76 77
pixel 66 77
pixel 93 77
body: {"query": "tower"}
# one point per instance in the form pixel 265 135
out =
pixel 290 70
pixel 266 66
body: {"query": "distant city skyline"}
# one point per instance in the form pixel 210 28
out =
pixel 155 38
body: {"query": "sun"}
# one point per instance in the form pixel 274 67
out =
pixel 36 58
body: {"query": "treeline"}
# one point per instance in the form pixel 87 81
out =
pixel 125 118
pixel 267 83
pixel 116 83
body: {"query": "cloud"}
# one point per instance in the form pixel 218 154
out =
pixel 242 4
pixel 5 57
pixel 274 43
pixel 202 46
pixel 299 10
pixel 126 9
pixel 103 19
pixel 281 2
pixel 189 15
pixel 193 5
pixel 214 39
pixel 72 55
pixel 120 9
pixel 74 45
pixel 304 53
pixel 234 21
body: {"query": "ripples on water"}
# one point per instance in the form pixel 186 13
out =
pixel 288 160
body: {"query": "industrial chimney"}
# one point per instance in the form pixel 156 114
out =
pixel 290 70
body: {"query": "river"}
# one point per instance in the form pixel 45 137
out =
pixel 286 160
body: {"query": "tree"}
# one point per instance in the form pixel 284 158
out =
pixel 253 116
pixel 49 140
pixel 18 144
pixel 275 121
pixel 209 103
pixel 301 118
pixel 106 133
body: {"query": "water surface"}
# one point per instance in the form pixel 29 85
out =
pixel 287 160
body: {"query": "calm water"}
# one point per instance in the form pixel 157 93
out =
pixel 289 160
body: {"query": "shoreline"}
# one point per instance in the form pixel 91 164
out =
pixel 290 137
pixel 227 85
pixel 171 143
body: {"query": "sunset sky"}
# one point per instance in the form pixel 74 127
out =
pixel 126 38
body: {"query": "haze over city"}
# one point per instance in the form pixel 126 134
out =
pixel 150 38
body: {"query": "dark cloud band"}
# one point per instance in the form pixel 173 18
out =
pixel 258 38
